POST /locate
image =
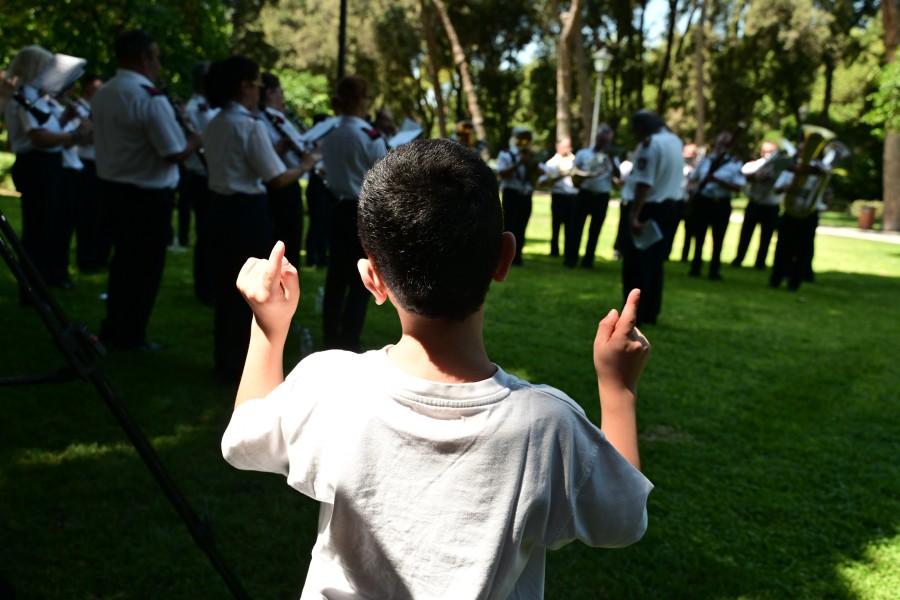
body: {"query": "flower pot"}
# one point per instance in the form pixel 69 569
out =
pixel 866 217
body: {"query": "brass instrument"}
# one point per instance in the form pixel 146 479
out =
pixel 762 181
pixel 813 167
pixel 601 164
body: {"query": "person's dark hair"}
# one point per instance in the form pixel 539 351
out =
pixel 198 76
pixel 430 221
pixel 645 122
pixel 223 81
pixel 350 90
pixel 131 44
pixel 270 82
pixel 319 117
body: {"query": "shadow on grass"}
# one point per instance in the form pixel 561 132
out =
pixel 768 423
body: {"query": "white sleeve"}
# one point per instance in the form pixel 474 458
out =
pixel 261 154
pixel 162 128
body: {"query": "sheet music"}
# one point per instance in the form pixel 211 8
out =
pixel 61 72
pixel 318 131
pixel 648 236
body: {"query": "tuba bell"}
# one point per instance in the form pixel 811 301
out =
pixel 813 167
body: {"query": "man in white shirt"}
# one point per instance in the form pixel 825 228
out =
pixel 138 144
pixel 558 173
pixel 593 197
pixel 657 178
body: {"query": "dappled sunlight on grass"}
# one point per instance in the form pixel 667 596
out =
pixel 876 575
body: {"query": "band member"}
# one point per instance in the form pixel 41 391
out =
pixel 557 171
pixel 318 204
pixel 91 227
pixel 287 202
pixel 685 215
pixel 518 170
pixel 385 123
pixel 37 137
pixel 348 152
pixel 199 113
pixel 242 162
pixel 797 229
pixel 593 197
pixel 657 176
pixel 138 143
pixel 762 208
pixel 714 180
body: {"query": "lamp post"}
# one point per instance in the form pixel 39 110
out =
pixel 602 58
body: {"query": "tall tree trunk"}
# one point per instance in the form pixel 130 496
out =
pixel 568 21
pixel 584 82
pixel 700 98
pixel 459 59
pixel 664 71
pixel 890 10
pixel 433 55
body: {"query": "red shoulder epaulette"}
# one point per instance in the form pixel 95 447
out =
pixel 373 133
pixel 203 107
pixel 152 90
pixel 646 142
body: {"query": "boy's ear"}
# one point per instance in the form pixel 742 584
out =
pixel 507 254
pixel 372 280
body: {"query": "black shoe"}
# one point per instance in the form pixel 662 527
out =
pixel 736 264
pixel 715 277
pixel 694 273
pixel 761 267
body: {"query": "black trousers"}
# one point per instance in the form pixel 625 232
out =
pixel 201 198
pixel 140 223
pixel 318 205
pixel 516 213
pixel 287 208
pixel 562 206
pixel 242 227
pixel 92 233
pixel 644 269
pixel 794 250
pixel 587 204
pixel 346 298
pixel 766 216
pixel 37 176
pixel 710 214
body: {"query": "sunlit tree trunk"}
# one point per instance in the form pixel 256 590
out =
pixel 891 174
pixel 584 70
pixel 568 21
pixel 700 98
pixel 433 55
pixel 667 58
pixel 459 59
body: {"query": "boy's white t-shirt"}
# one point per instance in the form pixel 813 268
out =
pixel 433 490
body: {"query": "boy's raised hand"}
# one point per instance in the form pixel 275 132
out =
pixel 272 289
pixel 620 350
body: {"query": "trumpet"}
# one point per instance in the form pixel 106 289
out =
pixel 813 168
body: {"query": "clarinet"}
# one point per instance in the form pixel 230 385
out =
pixel 280 128
pixel 186 127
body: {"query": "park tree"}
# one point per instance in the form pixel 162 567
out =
pixel 889 99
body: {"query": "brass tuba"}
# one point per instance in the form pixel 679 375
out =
pixel 813 167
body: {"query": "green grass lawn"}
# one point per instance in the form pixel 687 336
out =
pixel 769 424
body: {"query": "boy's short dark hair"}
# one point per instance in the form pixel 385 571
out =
pixel 430 221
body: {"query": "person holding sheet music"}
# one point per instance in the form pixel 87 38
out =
pixel 348 152
pixel 242 163
pixel 657 178
pixel 37 137
pixel 138 143
pixel 287 202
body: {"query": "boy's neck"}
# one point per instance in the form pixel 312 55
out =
pixel 447 352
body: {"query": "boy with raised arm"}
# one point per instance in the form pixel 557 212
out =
pixel 439 474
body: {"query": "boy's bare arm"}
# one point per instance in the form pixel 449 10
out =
pixel 620 354
pixel 272 289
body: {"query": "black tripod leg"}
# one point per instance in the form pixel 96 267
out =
pixel 82 351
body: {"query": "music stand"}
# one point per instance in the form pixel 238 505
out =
pixel 83 351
